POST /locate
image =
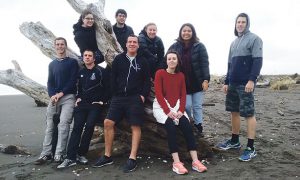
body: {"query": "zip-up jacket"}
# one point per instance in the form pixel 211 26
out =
pixel 122 34
pixel 130 77
pixel 245 58
pixel 93 85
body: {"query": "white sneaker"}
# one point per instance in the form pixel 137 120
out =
pixel 82 159
pixel 66 163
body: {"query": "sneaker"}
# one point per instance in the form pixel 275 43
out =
pixel 229 145
pixel 58 158
pixel 199 128
pixel 179 168
pixel 66 163
pixel 248 154
pixel 198 166
pixel 82 159
pixel 42 160
pixel 130 165
pixel 103 161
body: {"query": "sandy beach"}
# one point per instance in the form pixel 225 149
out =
pixel 277 143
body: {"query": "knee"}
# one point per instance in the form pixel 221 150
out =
pixel 108 124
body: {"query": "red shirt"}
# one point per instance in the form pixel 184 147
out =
pixel 170 87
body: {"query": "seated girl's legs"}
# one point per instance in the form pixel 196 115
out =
pixel 171 135
pixel 186 128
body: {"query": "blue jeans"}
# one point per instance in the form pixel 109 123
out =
pixel 193 106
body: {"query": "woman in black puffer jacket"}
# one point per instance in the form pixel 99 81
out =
pixel 85 35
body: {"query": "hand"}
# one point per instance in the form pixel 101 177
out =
pixel 77 101
pixel 53 99
pixel 172 115
pixel 249 86
pixel 143 99
pixel 225 88
pixel 179 114
pixel 205 85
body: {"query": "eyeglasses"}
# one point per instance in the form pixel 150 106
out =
pixel 89 19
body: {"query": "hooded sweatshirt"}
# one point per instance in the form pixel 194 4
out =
pixel 245 57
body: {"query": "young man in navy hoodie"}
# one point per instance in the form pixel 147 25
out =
pixel 130 86
pixel 244 65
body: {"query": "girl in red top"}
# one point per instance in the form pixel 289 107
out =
pixel 169 109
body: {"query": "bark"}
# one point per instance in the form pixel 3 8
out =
pixel 153 134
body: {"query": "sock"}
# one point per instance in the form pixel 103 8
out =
pixel 234 138
pixel 250 143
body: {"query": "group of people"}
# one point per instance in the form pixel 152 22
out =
pixel 181 76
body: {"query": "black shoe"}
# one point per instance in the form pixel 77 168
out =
pixel 103 161
pixel 130 166
pixel 42 160
pixel 199 127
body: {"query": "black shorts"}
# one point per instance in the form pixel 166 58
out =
pixel 129 107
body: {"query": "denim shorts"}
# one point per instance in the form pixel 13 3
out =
pixel 237 100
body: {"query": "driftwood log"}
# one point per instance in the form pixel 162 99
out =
pixel 153 134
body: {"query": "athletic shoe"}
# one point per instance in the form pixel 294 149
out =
pixel 103 161
pixel 179 168
pixel 58 158
pixel 227 144
pixel 248 154
pixel 130 166
pixel 82 159
pixel 42 160
pixel 66 163
pixel 198 166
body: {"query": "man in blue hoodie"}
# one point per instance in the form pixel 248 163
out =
pixel 130 84
pixel 244 65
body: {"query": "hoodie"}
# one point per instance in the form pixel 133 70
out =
pixel 245 56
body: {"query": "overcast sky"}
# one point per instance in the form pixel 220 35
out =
pixel 277 22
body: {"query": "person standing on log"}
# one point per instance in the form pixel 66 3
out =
pixel 93 93
pixel 152 47
pixel 195 67
pixel 169 110
pixel 61 87
pixel 85 35
pixel 244 65
pixel 122 30
pixel 130 87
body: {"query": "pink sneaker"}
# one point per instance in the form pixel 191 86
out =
pixel 198 166
pixel 179 168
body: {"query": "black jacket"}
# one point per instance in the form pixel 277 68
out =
pixel 153 50
pixel 122 35
pixel 130 78
pixel 93 85
pixel 85 38
pixel 200 64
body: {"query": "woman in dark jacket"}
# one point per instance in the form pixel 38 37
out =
pixel 152 47
pixel 85 35
pixel 195 67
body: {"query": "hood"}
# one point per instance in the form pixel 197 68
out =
pixel 247 26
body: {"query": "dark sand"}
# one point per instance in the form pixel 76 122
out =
pixel 277 143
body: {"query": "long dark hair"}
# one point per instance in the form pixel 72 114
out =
pixel 194 38
pixel 178 67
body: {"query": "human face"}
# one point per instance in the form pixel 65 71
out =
pixel 186 33
pixel 172 61
pixel 60 47
pixel 132 45
pixel 121 18
pixel 88 20
pixel 88 58
pixel 151 31
pixel 241 24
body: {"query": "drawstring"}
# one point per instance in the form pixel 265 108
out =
pixel 129 69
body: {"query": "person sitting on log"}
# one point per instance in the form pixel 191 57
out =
pixel 169 110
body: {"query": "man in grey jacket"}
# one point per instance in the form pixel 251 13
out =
pixel 244 65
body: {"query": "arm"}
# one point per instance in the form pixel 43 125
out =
pixel 204 63
pixel 50 82
pixel 73 77
pixel 106 84
pixel 182 94
pixel 160 55
pixel 147 82
pixel 257 59
pixel 158 85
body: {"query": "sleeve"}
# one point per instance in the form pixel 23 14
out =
pixel 106 84
pixel 81 42
pixel 113 76
pixel 79 86
pixel 228 66
pixel 160 56
pixel 158 85
pixel 182 94
pixel 51 81
pixel 73 77
pixel 257 51
pixel 204 64
pixel 147 81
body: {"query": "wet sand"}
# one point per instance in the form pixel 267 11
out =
pixel 277 143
